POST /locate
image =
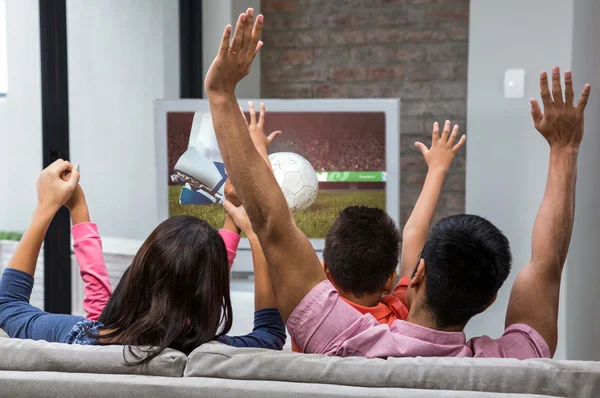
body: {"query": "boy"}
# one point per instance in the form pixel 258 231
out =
pixel 362 247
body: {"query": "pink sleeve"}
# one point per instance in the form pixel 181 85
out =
pixel 232 241
pixel 87 246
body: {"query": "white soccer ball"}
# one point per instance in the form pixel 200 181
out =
pixel 297 179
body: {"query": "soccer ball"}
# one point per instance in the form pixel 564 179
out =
pixel 297 179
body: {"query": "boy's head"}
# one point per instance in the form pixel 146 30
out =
pixel 361 250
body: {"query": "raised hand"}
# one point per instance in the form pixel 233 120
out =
pixel 239 216
pixel 230 193
pixel 561 124
pixel 257 128
pixel 235 57
pixel 442 151
pixel 53 191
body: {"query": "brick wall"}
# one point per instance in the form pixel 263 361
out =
pixel 413 49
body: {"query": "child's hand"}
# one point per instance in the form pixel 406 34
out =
pixel 77 199
pixel 53 191
pixel 230 193
pixel 442 151
pixel 256 128
pixel 238 213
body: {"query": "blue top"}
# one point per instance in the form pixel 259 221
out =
pixel 21 320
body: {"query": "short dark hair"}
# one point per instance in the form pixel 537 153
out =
pixel 362 249
pixel 467 259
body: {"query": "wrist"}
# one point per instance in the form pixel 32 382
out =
pixel 220 97
pixel 45 211
pixel 564 150
pixel 438 169
pixel 80 214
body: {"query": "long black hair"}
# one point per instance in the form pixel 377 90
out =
pixel 175 293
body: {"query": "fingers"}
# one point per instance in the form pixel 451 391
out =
pixel 453 135
pixel 261 119
pixel 422 147
pixel 255 42
pixel 258 46
pixel 435 135
pixel 557 93
pixel 545 91
pixel 223 50
pixel 273 135
pixel 460 143
pixel 569 93
pixel 228 206
pixel 60 166
pixel 247 38
pixel 536 112
pixel 73 178
pixel 585 95
pixel 446 131
pixel 238 35
pixel 252 113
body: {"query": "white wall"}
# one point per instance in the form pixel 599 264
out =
pixel 123 54
pixel 507 158
pixel 215 16
pixel 21 117
pixel 583 269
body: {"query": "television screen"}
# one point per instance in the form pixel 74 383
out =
pixel 347 151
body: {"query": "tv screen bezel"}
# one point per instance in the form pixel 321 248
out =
pixel 391 108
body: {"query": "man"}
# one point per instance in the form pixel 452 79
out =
pixel 321 322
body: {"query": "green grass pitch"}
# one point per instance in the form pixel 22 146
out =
pixel 315 221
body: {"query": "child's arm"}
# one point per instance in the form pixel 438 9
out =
pixel 18 318
pixel 87 246
pixel 269 328
pixel 263 290
pixel 230 232
pixel 439 158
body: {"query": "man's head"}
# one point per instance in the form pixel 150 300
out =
pixel 361 251
pixel 465 261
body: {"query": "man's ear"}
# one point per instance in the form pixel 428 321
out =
pixel 389 284
pixel 324 265
pixel 419 276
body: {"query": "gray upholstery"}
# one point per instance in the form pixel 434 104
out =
pixel 40 369
pixel 16 354
pixel 47 384
pixel 549 377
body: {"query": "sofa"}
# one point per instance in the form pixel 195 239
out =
pixel 41 369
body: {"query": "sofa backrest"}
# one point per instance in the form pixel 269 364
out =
pixel 548 377
pixel 39 356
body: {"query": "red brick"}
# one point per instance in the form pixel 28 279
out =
pixel 347 37
pixel 345 73
pixel 294 91
pixel 459 32
pixel 447 13
pixel 286 21
pixel 297 57
pixel 278 5
pixel 311 39
pixel 331 91
pixel 386 72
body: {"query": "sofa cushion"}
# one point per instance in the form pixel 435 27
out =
pixel 29 355
pixel 51 384
pixel 538 376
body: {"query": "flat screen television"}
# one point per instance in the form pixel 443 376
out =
pixel 353 145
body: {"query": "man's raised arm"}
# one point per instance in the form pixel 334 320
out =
pixel 535 293
pixel 293 264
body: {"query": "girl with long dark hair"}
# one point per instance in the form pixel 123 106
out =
pixel 175 293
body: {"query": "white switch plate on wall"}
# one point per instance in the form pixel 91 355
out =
pixel 514 83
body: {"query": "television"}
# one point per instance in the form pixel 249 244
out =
pixel 352 144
